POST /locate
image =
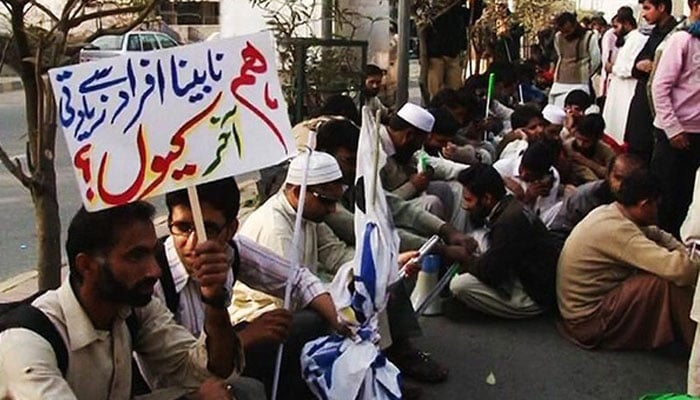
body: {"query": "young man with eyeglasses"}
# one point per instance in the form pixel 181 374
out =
pixel 252 265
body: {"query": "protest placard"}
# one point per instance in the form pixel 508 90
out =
pixel 151 122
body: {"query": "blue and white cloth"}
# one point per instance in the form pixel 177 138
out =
pixel 336 367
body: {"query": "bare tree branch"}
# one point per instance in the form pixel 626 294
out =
pixel 44 9
pixel 122 30
pixel 108 13
pixel 4 53
pixel 15 168
pixel 67 7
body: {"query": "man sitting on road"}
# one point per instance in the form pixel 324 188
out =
pixel 253 265
pixel 594 194
pixel 113 271
pixel 622 282
pixel 533 179
pixel 272 226
pixel 588 155
pixel 514 276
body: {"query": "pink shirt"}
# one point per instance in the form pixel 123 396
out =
pixel 676 86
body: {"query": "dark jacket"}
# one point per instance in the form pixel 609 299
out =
pixel 658 34
pixel 520 247
pixel 447 35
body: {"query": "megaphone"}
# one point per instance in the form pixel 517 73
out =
pixel 425 284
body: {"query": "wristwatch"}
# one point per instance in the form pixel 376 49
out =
pixel 221 301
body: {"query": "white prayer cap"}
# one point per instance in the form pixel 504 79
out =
pixel 554 114
pixel 594 109
pixel 417 116
pixel 322 169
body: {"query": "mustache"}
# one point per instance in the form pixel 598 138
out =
pixel 146 283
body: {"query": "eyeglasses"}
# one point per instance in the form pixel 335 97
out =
pixel 185 229
pixel 327 200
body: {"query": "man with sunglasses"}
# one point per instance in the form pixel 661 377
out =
pixel 252 265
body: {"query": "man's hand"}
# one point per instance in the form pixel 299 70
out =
pixel 271 327
pixel 515 187
pixel 520 134
pixel 211 268
pixel 608 67
pixel 420 181
pixel 450 151
pixel 680 141
pixel 413 268
pixel 645 66
pixel 537 189
pixel 214 389
pixel 452 236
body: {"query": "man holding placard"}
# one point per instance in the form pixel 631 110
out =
pixel 252 265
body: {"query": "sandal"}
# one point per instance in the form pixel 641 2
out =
pixel 418 365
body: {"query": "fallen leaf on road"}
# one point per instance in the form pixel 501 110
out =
pixel 491 379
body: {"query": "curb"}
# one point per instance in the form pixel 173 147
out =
pixel 10 86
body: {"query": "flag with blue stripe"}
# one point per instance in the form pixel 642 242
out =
pixel 337 367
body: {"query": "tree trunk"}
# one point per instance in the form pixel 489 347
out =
pixel 48 229
pixel 41 134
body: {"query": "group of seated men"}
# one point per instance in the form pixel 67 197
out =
pixel 559 223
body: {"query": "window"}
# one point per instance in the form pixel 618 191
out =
pixel 109 42
pixel 149 42
pixel 166 42
pixel 134 43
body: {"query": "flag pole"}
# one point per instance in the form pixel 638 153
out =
pixel 489 96
pixel 295 254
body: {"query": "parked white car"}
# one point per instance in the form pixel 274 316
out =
pixel 116 45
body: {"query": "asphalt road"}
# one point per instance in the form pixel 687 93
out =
pixel 17 236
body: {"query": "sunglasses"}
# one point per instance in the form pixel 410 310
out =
pixel 327 200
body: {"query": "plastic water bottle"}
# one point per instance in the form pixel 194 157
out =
pixel 425 283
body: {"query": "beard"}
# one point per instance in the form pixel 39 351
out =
pixel 369 93
pixel 478 216
pixel 113 290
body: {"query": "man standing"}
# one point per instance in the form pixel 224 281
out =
pixel 373 83
pixel 113 271
pixel 623 283
pixel 640 127
pixel 621 88
pixel 579 58
pixel 515 276
pixel 676 89
pixel 446 38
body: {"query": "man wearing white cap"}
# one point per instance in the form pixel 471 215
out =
pixel 402 139
pixel 272 225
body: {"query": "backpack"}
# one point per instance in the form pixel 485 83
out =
pixel 22 314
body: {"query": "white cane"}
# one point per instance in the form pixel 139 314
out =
pixel 296 255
